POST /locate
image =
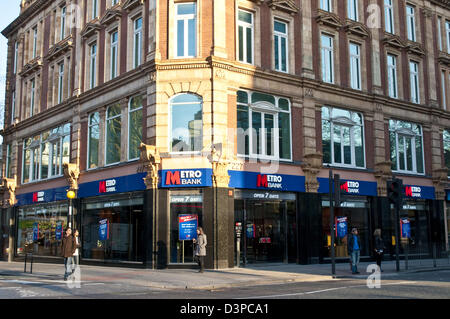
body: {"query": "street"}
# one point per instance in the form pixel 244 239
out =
pixel 422 285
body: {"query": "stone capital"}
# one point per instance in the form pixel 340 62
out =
pixel 150 160
pixel 71 173
pixel 311 167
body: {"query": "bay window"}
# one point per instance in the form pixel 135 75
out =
pixel 343 137
pixel 264 126
pixel 406 147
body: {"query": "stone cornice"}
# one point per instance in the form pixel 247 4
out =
pixel 33 9
pixel 31 67
pixel 329 19
pixel 59 49
pixel 284 5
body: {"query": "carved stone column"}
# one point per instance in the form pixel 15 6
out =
pixel 9 187
pixel 311 168
pixel 151 161
pixel 440 182
pixel 382 173
pixel 71 173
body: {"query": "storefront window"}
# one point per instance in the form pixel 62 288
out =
pixel 186 212
pixel 354 212
pixel 415 213
pixel 40 228
pixel 112 229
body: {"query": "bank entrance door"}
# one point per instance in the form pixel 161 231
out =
pixel 269 228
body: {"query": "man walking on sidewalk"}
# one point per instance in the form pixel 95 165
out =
pixel 68 247
pixel 354 248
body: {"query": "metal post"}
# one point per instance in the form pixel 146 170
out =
pixel 70 213
pixel 397 237
pixel 333 261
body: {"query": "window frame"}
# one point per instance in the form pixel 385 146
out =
pixel 353 10
pixel 389 16
pixel 114 52
pixel 327 53
pixel 107 119
pixel 326 5
pixel 186 18
pixel 349 123
pixel 61 71
pixel 137 32
pixel 171 120
pixel 281 36
pixel 141 108
pixel 414 81
pixel 411 23
pixel 407 133
pixel 63 23
pixel 266 108
pixel 392 76
pixel 93 65
pixel 89 141
pixel 245 26
pixel 357 58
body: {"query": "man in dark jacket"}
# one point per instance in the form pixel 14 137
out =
pixel 68 247
pixel 354 248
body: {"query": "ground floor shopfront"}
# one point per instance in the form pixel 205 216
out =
pixel 259 218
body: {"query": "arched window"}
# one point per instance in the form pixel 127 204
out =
pixel 134 127
pixel 113 134
pixel 186 123
pixel 94 140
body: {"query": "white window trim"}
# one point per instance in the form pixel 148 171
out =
pixel 392 82
pixel 141 108
pixel 61 82
pixel 404 133
pixel 357 59
pixel 245 26
pixel 414 82
pixel 63 23
pixel 327 52
pixel 347 123
pixel 439 32
pixel 16 56
pixel 326 5
pixel 353 10
pixel 7 164
pixel 138 32
pixel 114 51
pixel 447 31
pixel 411 23
pixel 93 65
pixel 266 107
pixel 186 18
pixel 444 90
pixel 285 36
pixel 35 36
pixel 94 9
pixel 13 106
pixel 389 16
pixel 33 97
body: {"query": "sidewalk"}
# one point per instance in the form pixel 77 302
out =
pixel 267 274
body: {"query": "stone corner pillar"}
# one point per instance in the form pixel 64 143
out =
pixel 382 173
pixel 311 167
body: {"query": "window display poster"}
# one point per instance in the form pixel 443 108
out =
pixel 250 231
pixel 58 231
pixel 405 228
pixel 187 226
pixel 341 227
pixel 35 231
pixel 103 230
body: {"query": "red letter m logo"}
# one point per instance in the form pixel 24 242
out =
pixel 102 187
pixel 173 178
pixel 344 187
pixel 262 181
pixel 408 191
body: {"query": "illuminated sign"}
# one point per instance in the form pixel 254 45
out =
pixel 269 181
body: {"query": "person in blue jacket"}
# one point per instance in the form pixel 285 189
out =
pixel 354 249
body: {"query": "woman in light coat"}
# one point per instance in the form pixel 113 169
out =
pixel 200 248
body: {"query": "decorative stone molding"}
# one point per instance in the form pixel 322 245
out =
pixel 60 49
pixel 9 186
pixel 151 160
pixel 220 177
pixel 356 28
pixel 129 5
pixel 284 5
pixel 329 19
pixel 444 58
pixel 415 48
pixel 71 173
pixel 90 29
pixel 31 67
pixel 440 179
pixel 111 15
pixel 383 172
pixel 394 41
pixel 311 167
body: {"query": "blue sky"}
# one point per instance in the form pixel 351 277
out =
pixel 9 10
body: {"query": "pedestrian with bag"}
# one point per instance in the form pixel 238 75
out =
pixel 354 250
pixel 68 247
pixel 200 248
pixel 379 247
